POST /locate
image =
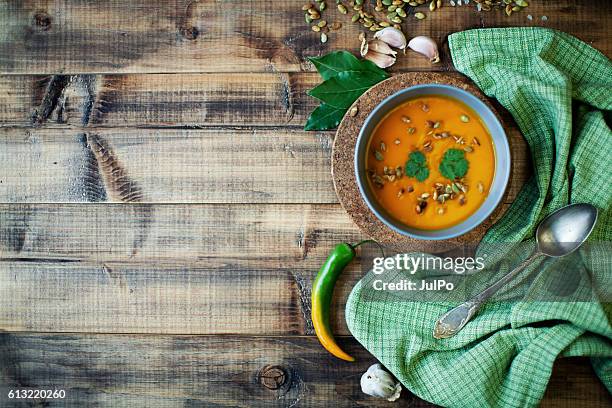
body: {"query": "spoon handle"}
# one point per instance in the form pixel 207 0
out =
pixel 451 322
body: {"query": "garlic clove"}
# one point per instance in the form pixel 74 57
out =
pixel 380 59
pixel 392 36
pixel 425 46
pixel 379 383
pixel 381 46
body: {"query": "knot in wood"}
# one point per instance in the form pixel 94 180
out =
pixel 190 33
pixel 273 377
pixel 42 20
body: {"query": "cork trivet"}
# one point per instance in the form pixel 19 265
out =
pixel 343 166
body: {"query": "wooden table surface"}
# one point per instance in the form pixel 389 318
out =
pixel 162 212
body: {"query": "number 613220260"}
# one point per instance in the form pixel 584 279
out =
pixel 36 394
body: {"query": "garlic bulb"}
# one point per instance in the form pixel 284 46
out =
pixel 379 383
pixel 392 36
pixel 425 46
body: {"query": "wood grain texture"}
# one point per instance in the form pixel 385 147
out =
pixel 187 233
pixel 211 296
pixel 179 166
pixel 168 268
pixel 157 100
pixel 220 371
pixel 71 36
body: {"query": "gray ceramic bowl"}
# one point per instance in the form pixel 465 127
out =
pixel 502 160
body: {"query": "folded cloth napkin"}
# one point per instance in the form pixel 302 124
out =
pixel 557 88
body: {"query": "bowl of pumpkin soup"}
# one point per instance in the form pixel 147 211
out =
pixel 432 161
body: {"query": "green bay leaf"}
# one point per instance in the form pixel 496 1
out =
pixel 332 64
pixel 343 89
pixel 324 117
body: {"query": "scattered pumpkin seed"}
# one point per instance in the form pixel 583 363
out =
pixel 405 119
pixel 468 149
pixel 342 8
pixel 464 118
pixel 383 146
pixel 411 130
pixel 436 125
pixel 397 141
pixel 480 187
pixel 476 141
pixel 323 38
pixel 378 155
pixel 419 15
pixel 353 111
pixel 440 210
pixel 322 23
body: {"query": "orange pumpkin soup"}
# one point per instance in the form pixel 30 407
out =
pixel 431 162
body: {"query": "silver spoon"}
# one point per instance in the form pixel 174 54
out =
pixel 559 234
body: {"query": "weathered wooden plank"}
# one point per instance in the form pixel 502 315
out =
pixel 72 36
pixel 180 166
pixel 219 371
pixel 170 371
pixel 175 100
pixel 208 297
pixel 188 166
pixel 167 268
pixel 187 233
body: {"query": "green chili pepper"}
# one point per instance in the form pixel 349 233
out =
pixel 322 291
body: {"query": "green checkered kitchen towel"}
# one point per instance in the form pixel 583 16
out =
pixel 558 90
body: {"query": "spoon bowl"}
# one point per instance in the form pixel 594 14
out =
pixel 563 231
